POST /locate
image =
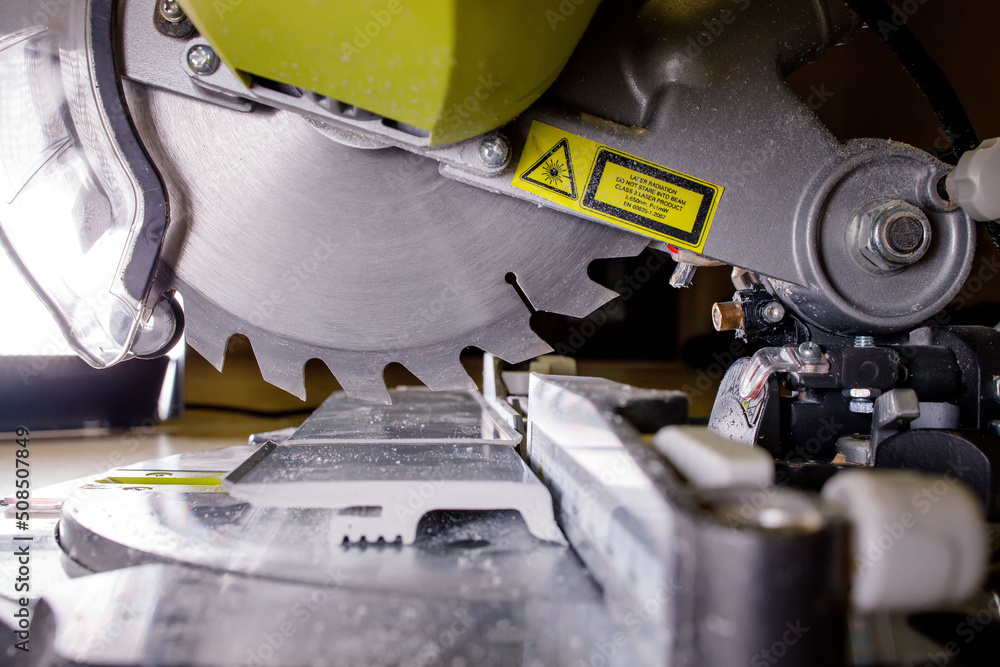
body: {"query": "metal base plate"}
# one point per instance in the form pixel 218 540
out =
pixel 475 586
pixel 183 563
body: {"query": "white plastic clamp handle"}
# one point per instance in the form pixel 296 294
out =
pixel 975 182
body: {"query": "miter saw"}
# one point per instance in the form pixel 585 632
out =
pixel 373 182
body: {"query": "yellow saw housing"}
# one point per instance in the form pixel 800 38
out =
pixel 453 69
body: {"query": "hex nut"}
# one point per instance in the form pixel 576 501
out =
pixel 888 236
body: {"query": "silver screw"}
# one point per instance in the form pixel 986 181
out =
pixel 171 11
pixel 494 151
pixel 202 60
pixel 810 351
pixel 774 312
pixel 864 341
pixel 996 386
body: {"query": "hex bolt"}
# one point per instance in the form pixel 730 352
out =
pixel 171 11
pixel 810 351
pixel 202 60
pixel 494 151
pixel 774 312
pixel 996 386
pixel 888 236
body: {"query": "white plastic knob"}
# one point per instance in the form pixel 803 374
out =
pixel 709 461
pixel 975 182
pixel 919 540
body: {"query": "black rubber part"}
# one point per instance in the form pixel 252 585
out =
pixel 138 274
pixel 922 68
pixel 994 229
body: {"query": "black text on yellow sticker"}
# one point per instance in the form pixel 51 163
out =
pixel 597 180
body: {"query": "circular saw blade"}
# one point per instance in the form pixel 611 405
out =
pixel 359 258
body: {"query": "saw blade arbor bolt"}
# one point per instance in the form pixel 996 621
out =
pixel 889 236
pixel 202 60
pixel 171 11
pixel 494 151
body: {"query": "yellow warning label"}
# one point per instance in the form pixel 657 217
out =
pixel 597 180
pixel 554 171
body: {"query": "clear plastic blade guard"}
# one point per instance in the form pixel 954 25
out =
pixel 82 211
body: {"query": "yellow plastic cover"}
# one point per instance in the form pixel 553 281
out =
pixel 452 68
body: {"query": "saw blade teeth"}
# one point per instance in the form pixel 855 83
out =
pixel 576 298
pixel 514 342
pixel 295 273
pixel 290 380
pixel 210 347
pixel 362 382
pixel 440 371
pixel 280 365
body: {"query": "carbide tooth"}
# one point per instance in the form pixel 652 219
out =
pixel 365 383
pixel 291 380
pixel 513 342
pixel 208 346
pixel 576 298
pixel 514 351
pixel 280 366
pixel 440 370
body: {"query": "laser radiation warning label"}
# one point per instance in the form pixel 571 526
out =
pixel 587 177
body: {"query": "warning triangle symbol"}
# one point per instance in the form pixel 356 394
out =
pixel 554 171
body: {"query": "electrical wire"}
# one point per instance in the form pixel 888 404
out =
pixel 887 22
pixel 891 28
